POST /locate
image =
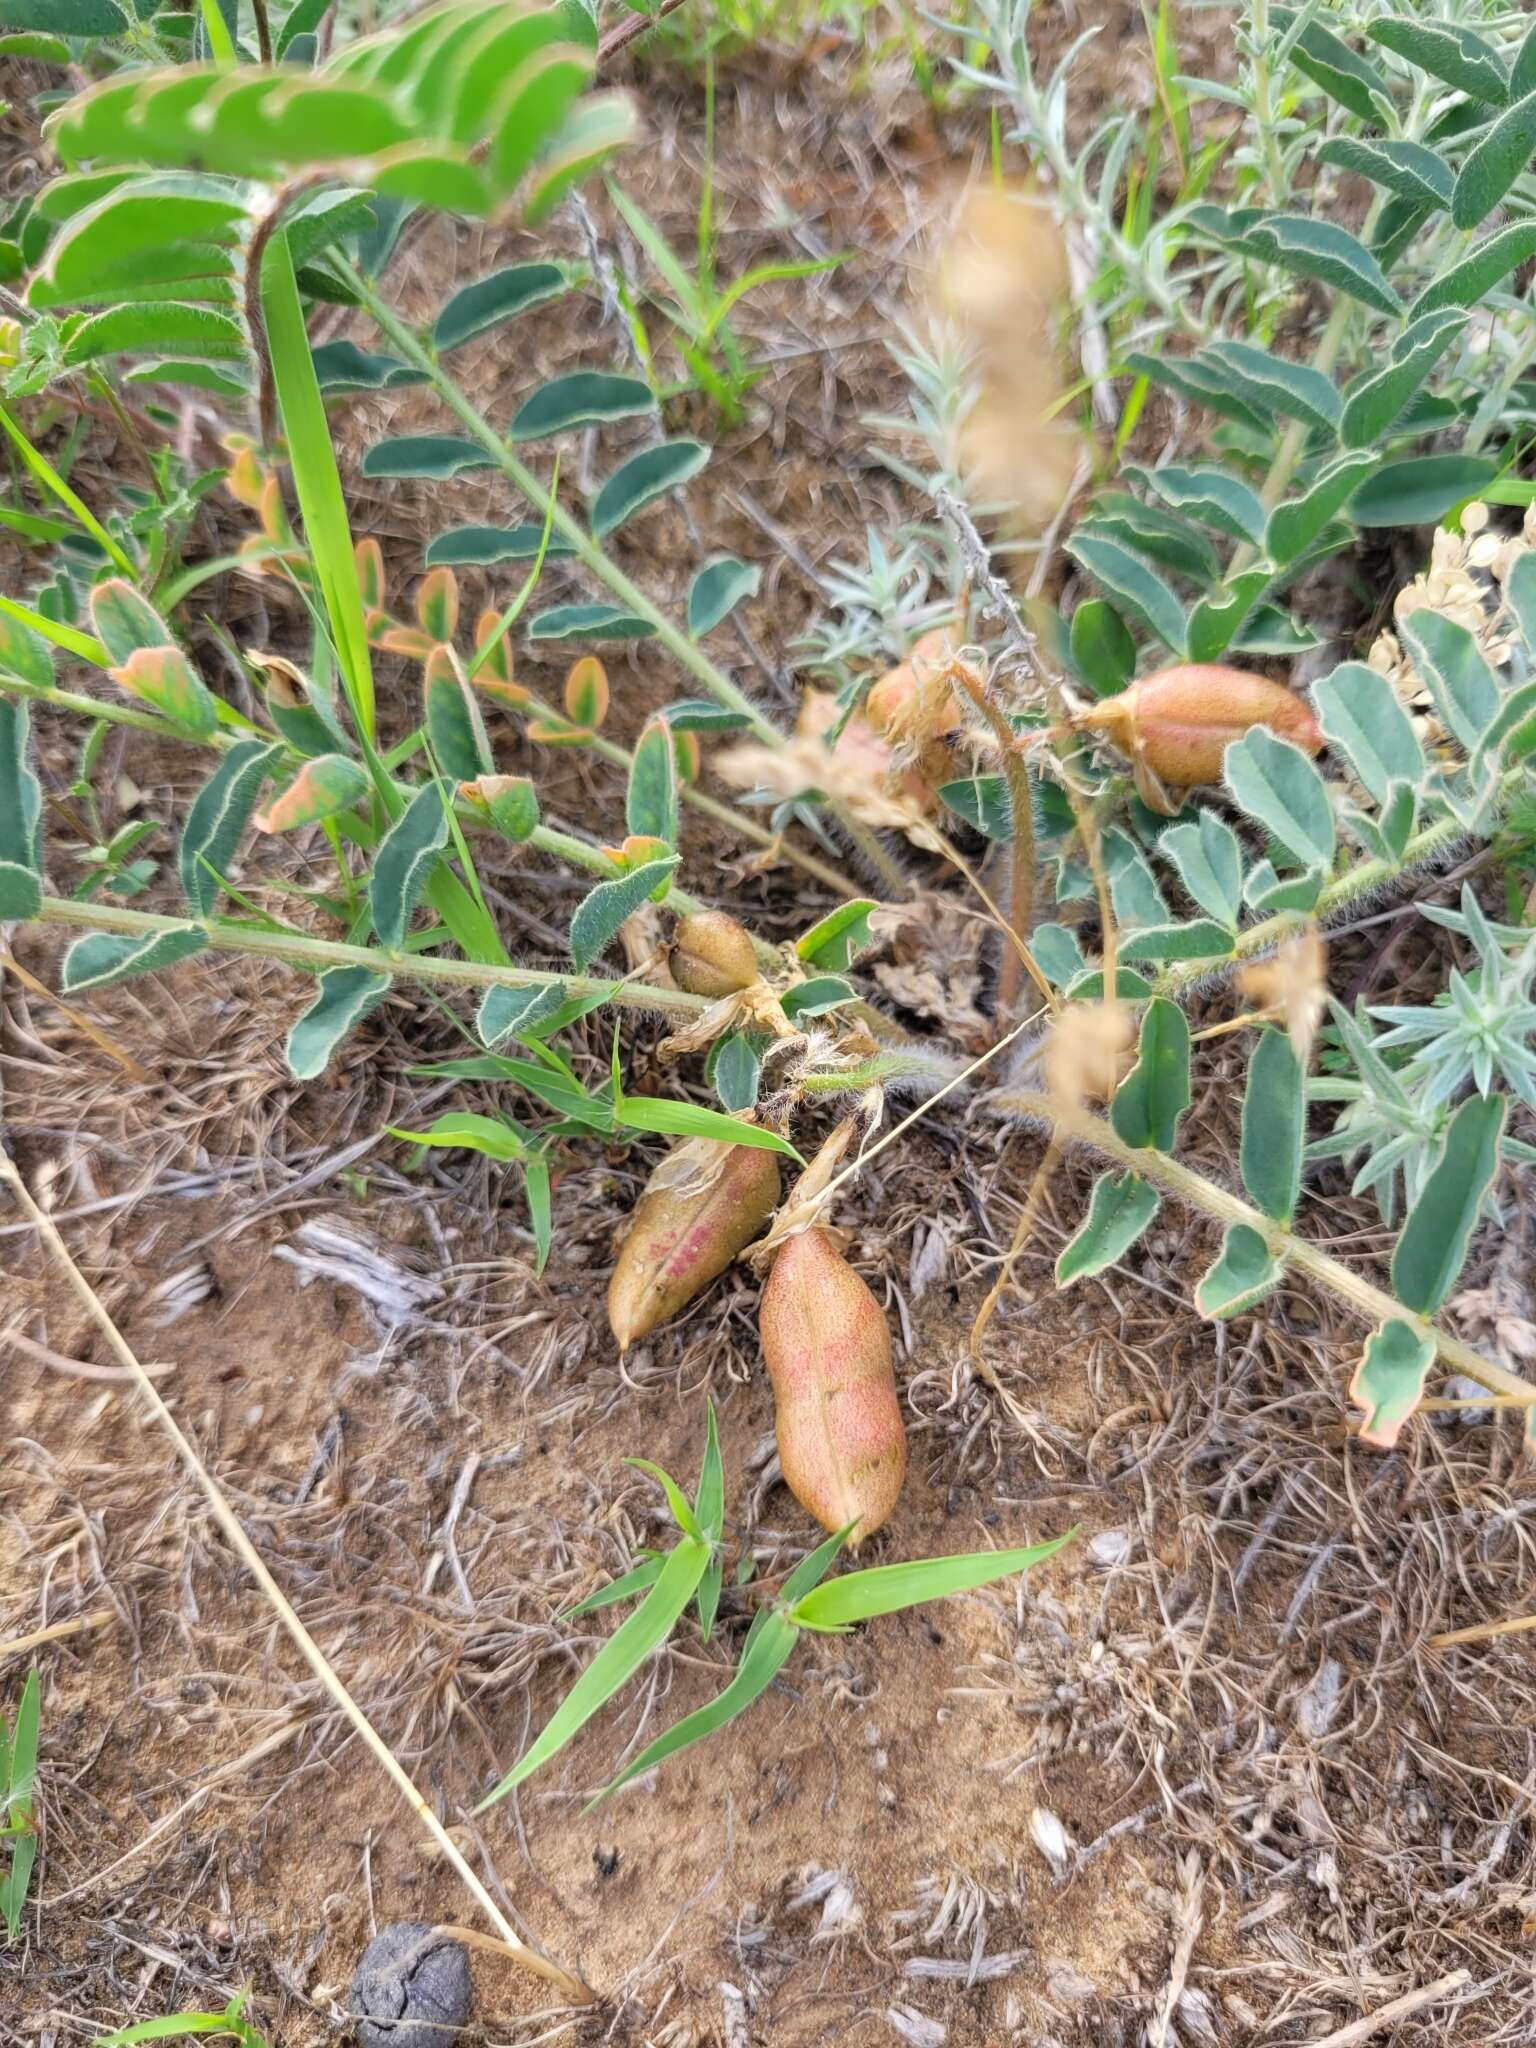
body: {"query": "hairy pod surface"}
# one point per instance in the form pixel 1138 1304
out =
pixel 712 955
pixel 680 1239
pixel 1182 720
pixel 827 1348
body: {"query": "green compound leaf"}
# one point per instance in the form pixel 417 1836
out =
pixel 101 958
pixel 1058 953
pixel 982 800
pixel 1210 495
pixel 1408 169
pixel 21 815
pixel 1210 865
pixel 1373 404
pixel 1365 720
pixel 599 915
pixel 1293 527
pixel 836 940
pixel 616 1662
pixel 189 330
pixel 1204 380
pixel 486 304
pixel 1155 1094
pixel 124 622
pixel 1275 783
pixel 1200 939
pixel 218 818
pixel 650 805
pixel 324 786
pixel 1272 383
pixel 23 652
pixel 1155 534
pixel 1469 281
pixel 1267 892
pixel 481 547
pixel 1317 53
pixel 343 366
pixel 343 998
pixel 888 1588
pixel 438 456
pixel 164 679
pixel 1420 490
pixel 1388 1382
pixel 734 1069
pixel 583 398
pixel 1121 1207
pixel 716 591
pixel 1245 1271
pixel 451 714
pixel 589 622
pixel 1447 52
pixel 1302 246
pixel 1138 589
pixel 516 1013
pixel 644 478
pixel 1274 1126
pixel 1103 652
pixel 816 996
pixel 1433 1245
pixel 1216 620
pixel 403 864
pixel 1463 686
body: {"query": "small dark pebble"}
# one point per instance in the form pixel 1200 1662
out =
pixel 412 1989
pixel 607 1861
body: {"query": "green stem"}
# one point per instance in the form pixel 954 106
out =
pixel 1196 1192
pixel 591 553
pixel 563 846
pixel 228 936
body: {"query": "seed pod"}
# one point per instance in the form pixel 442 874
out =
pixel 1181 721
pixel 712 955
pixel 828 1352
pixel 680 1238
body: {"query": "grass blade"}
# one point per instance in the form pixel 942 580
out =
pixel 615 1663
pixel 887 1588
pixel 632 1582
pixel 316 478
pixel 51 481
pixel 760 1665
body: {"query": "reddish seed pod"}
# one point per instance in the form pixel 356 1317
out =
pixel 1181 721
pixel 680 1239
pixel 712 955
pixel 842 1444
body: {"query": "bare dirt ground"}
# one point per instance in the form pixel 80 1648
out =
pixel 1201 1780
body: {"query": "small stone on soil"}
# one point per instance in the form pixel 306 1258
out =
pixel 412 1989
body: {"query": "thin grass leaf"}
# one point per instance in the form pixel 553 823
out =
pixel 887 1588
pixel 691 1120
pixel 677 1500
pixel 615 1663
pixel 315 476
pixel 51 481
pixel 760 1664
pixel 636 1581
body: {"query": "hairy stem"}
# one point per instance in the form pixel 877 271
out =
pixel 1196 1192
pixel 227 935
pixel 563 846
